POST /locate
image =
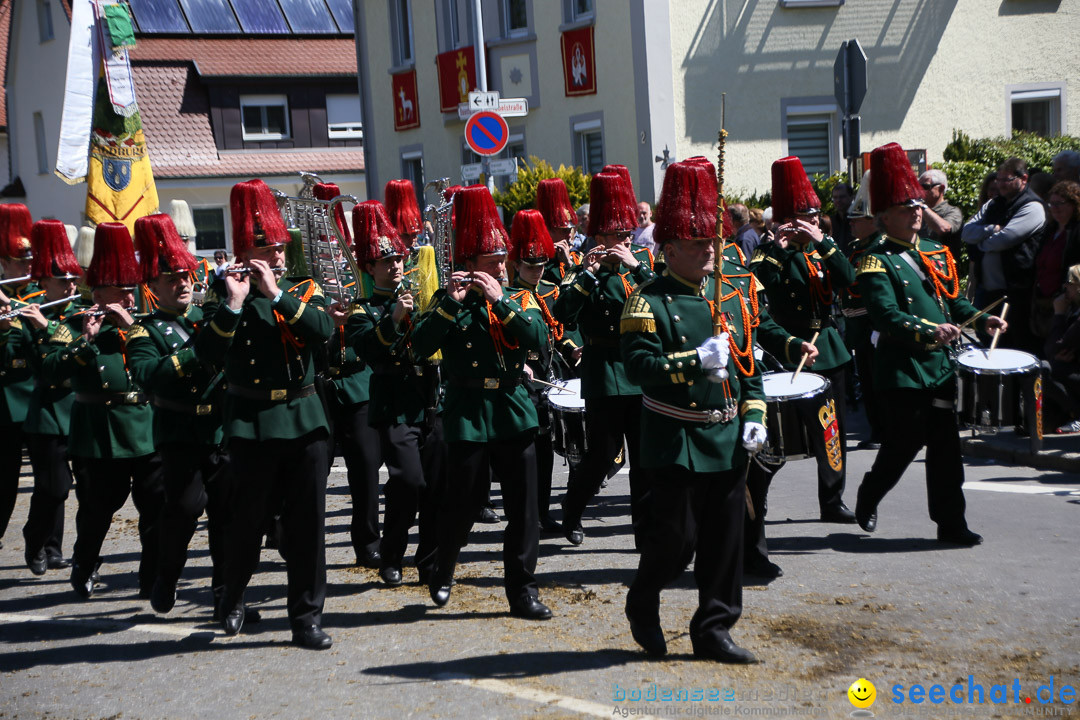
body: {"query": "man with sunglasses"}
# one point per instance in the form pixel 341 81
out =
pixel 941 221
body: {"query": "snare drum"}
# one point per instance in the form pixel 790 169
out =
pixel 568 421
pixel 787 433
pixel 990 386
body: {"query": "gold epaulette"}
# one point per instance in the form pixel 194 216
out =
pixel 757 257
pixel 137 331
pixel 62 335
pixel 869 264
pixel 637 315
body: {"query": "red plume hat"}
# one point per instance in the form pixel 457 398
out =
pixel 611 205
pixel 329 191
pixel 623 172
pixel 553 202
pixel 161 249
pixel 114 262
pixel 376 236
pixel 477 228
pixel 15 224
pixel 687 207
pixel 530 241
pixel 892 180
pixel 792 193
pixel 256 220
pixel 401 206
pixel 52 251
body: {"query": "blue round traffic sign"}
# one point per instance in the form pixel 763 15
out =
pixel 486 133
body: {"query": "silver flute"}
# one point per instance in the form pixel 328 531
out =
pixel 40 306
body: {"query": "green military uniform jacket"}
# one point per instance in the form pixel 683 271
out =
pixel 485 397
pixel 662 325
pixel 543 362
pixel 785 274
pixel 347 369
pixel 595 303
pixel 268 349
pixel 905 310
pixel 774 339
pixel 185 393
pixel 16 374
pixel 556 270
pixel 25 346
pixel 857 327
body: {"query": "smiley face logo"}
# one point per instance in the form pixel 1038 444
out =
pixel 862 693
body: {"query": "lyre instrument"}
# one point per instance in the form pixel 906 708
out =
pixel 440 214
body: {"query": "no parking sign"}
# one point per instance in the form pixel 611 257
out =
pixel 486 133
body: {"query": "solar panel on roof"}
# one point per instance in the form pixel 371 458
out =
pixel 342 10
pixel 260 16
pixel 309 16
pixel 210 16
pixel 158 16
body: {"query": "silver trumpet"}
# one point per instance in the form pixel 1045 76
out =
pixel 41 306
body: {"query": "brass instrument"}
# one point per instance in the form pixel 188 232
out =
pixel 441 217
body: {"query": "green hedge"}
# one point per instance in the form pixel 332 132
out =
pixel 521 194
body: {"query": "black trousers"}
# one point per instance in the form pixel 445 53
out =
pixel 360 448
pixel 699 513
pixel 44 528
pixel 196 479
pixel 513 462
pixel 758 478
pixel 831 474
pixel 545 454
pixel 864 364
pixel 102 487
pixel 415 458
pixel 10 465
pixel 918 418
pixel 607 421
pixel 294 470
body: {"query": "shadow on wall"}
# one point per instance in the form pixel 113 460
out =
pixel 1028 7
pixel 759 52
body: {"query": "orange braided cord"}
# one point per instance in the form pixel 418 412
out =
pixel 820 288
pixel 937 277
pixel 495 329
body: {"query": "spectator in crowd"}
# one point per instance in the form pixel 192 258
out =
pixel 221 261
pixel 581 240
pixel 1066 166
pixel 841 231
pixel 989 189
pixel 757 221
pixel 770 226
pixel 1006 231
pixel 825 222
pixel 1061 369
pixel 644 230
pixel 745 236
pixel 1040 184
pixel 1059 249
pixel 941 221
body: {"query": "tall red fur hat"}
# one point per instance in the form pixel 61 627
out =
pixel 161 249
pixel 792 193
pixel 15 224
pixel 329 191
pixel 52 251
pixel 256 220
pixel 477 228
pixel 623 172
pixel 376 236
pixel 892 181
pixel 448 193
pixel 553 202
pixel 114 262
pixel 401 206
pixel 529 238
pixel 611 205
pixel 687 207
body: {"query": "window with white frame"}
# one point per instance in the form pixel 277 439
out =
pixel 209 228
pixel 813 137
pixel 44 18
pixel 589 146
pixel 401 31
pixel 265 117
pixel 41 143
pixel 1036 109
pixel 344 120
pixel 581 10
pixel 412 168
pixel 515 15
pixel 811 3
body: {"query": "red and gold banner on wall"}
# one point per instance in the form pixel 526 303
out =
pixel 406 102
pixel 457 76
pixel 579 62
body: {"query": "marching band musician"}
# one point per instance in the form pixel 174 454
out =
pixel 592 297
pixel 111 442
pixel 703 408
pixel 404 212
pixel 489 422
pixel 48 416
pixel 912 291
pixel 263 333
pixel 801 270
pixel 404 395
pixel 553 202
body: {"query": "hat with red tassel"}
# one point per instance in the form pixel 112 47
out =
pixel 401 206
pixel 623 172
pixel 530 241
pixel 376 236
pixel 611 205
pixel 477 228
pixel 113 264
pixel 553 202
pixel 792 193
pixel 161 249
pixel 687 207
pixel 53 256
pixel 15 224
pixel 892 180
pixel 329 191
pixel 256 220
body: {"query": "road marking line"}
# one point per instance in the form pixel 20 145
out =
pixel 582 707
pixel 1020 489
pixel 173 630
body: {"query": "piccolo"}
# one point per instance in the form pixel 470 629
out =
pixel 99 312
pixel 40 306
pixel 248 271
pixel 13 281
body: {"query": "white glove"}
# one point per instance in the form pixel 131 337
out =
pixel 713 355
pixel 753 436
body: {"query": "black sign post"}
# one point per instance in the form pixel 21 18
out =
pixel 849 87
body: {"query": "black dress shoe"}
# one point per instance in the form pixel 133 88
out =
pixel 233 620
pixel 391 576
pixel 163 596
pixel 649 637
pixel 369 559
pixel 959 536
pixel 57 562
pixel 487 516
pixel 312 637
pixel 866 517
pixel 726 651
pixel 530 609
pixel 868 445
pixel 839 513
pixel 762 568
pixel 82 582
pixel 549 524
pixel 440 594
pixel 38 563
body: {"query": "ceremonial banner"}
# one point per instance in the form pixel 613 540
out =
pixel 579 62
pixel 406 102
pixel 457 77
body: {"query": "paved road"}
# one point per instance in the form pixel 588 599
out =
pixel 895 607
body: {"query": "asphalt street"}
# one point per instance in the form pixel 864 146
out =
pixel 895 607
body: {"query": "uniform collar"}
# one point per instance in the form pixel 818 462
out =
pixel 519 282
pixel 170 313
pixel 696 288
pixel 902 243
pixel 383 292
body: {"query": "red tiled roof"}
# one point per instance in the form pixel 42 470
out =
pixel 5 37
pixel 254 57
pixel 176 119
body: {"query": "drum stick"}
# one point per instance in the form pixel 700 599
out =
pixel 982 312
pixel 560 388
pixel 804 357
pixel 749 501
pixel 997 331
